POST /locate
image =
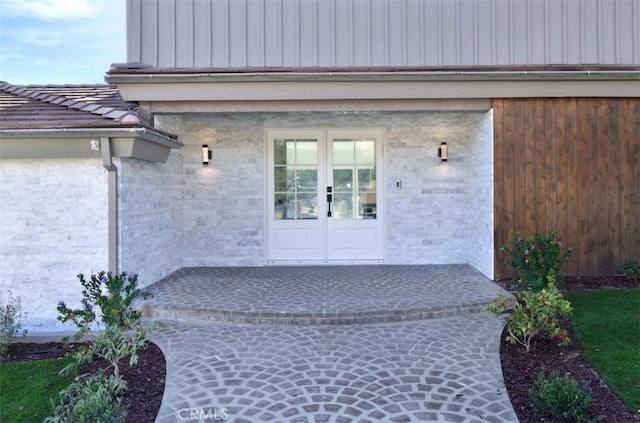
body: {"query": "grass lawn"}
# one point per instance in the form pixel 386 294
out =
pixel 26 389
pixel 607 324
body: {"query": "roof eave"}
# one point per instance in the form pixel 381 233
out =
pixel 155 75
pixel 179 85
pixel 137 142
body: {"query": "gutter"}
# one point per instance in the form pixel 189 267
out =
pixel 112 182
pixel 156 137
pixel 138 76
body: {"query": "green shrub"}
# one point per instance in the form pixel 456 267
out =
pixel 113 295
pixel 11 317
pixel 534 314
pixel 561 397
pixel 631 269
pixel 108 317
pixel 91 399
pixel 536 261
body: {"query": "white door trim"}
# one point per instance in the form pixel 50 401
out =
pixel 313 246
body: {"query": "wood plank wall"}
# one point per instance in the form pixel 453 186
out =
pixel 571 165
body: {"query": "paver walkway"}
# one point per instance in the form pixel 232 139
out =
pixel 359 356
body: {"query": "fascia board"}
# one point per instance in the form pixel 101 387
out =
pixel 370 90
pixel 55 145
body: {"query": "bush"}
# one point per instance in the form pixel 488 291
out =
pixel 534 314
pixel 108 307
pixel 631 269
pixel 561 397
pixel 536 261
pixel 11 317
pixel 91 399
pixel 113 295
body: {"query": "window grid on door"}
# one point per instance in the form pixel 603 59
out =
pixel 295 179
pixel 354 179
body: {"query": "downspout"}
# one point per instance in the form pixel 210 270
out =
pixel 112 182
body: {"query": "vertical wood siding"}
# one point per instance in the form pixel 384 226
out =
pixel 573 166
pixel 330 33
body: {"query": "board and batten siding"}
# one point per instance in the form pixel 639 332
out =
pixel 382 33
pixel 571 165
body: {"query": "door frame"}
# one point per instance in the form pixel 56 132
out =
pixel 324 136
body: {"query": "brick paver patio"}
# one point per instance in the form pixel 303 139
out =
pixel 330 344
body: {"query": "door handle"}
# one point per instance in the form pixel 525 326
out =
pixel 329 200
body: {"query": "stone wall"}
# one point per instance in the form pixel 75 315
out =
pixel 481 212
pixel 53 225
pixel 150 241
pixel 442 213
pixel 222 203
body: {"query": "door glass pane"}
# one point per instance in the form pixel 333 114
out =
pixel 343 206
pixel 343 152
pixel 365 152
pixel 306 152
pixel 367 205
pixel 307 205
pixel 295 179
pixel 342 180
pixel 307 179
pixel 354 179
pixel 367 179
pixel 280 209
pixel 280 178
pixel 280 152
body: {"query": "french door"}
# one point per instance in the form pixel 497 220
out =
pixel 324 199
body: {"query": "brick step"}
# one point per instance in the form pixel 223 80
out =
pixel 163 312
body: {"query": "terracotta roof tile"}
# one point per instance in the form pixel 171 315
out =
pixel 67 106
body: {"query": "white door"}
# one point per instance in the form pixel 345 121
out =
pixel 324 198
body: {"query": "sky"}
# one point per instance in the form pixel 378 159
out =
pixel 60 41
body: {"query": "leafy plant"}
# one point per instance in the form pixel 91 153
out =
pixel 534 314
pixel 631 269
pixel 113 295
pixel 91 399
pixel 107 315
pixel 536 261
pixel 11 317
pixel 561 397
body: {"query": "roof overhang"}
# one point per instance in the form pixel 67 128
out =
pixel 138 143
pixel 162 85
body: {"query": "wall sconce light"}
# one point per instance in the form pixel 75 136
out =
pixel 442 151
pixel 206 154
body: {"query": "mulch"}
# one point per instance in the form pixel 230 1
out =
pixel 145 380
pixel 521 369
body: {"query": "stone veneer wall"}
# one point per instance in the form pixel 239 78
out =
pixel 442 214
pixel 480 214
pixel 53 225
pixel 149 218
pixel 222 203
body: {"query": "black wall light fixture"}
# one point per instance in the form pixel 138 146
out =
pixel 443 153
pixel 206 154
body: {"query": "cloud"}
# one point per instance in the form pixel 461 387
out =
pixel 42 38
pixel 74 41
pixel 51 10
